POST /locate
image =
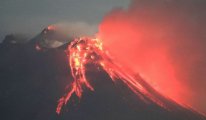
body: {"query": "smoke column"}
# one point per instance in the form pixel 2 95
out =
pixel 164 41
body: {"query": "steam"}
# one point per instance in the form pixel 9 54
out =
pixel 64 32
pixel 164 41
pixel 76 29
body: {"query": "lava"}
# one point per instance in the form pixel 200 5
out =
pixel 85 51
pixel 38 48
pixel 51 27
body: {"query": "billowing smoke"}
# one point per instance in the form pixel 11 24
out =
pixel 164 41
pixel 76 29
pixel 61 33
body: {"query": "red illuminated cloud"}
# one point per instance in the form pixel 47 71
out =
pixel 163 41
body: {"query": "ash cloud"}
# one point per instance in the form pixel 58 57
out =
pixel 165 41
pixel 58 34
pixel 76 29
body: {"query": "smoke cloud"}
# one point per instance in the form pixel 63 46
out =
pixel 76 29
pixel 66 32
pixel 164 41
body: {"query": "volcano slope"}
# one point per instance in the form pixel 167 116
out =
pixel 32 82
pixel 113 99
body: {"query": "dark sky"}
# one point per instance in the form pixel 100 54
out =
pixel 30 16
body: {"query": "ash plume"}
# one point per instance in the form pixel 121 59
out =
pixel 163 40
pixel 61 33
pixel 76 29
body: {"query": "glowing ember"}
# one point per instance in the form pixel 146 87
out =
pixel 85 51
pixel 38 48
pixel 51 27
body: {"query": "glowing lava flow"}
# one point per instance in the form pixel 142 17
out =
pixel 85 51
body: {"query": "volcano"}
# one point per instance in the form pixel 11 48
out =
pixel 50 37
pixel 32 82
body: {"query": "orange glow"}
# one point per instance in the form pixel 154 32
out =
pixel 140 47
pixel 81 52
pixel 51 27
pixel 38 48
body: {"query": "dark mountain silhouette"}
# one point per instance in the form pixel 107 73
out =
pixel 32 81
pixel 50 37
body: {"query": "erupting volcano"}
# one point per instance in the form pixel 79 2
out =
pixel 86 52
pixel 103 60
pixel 98 86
